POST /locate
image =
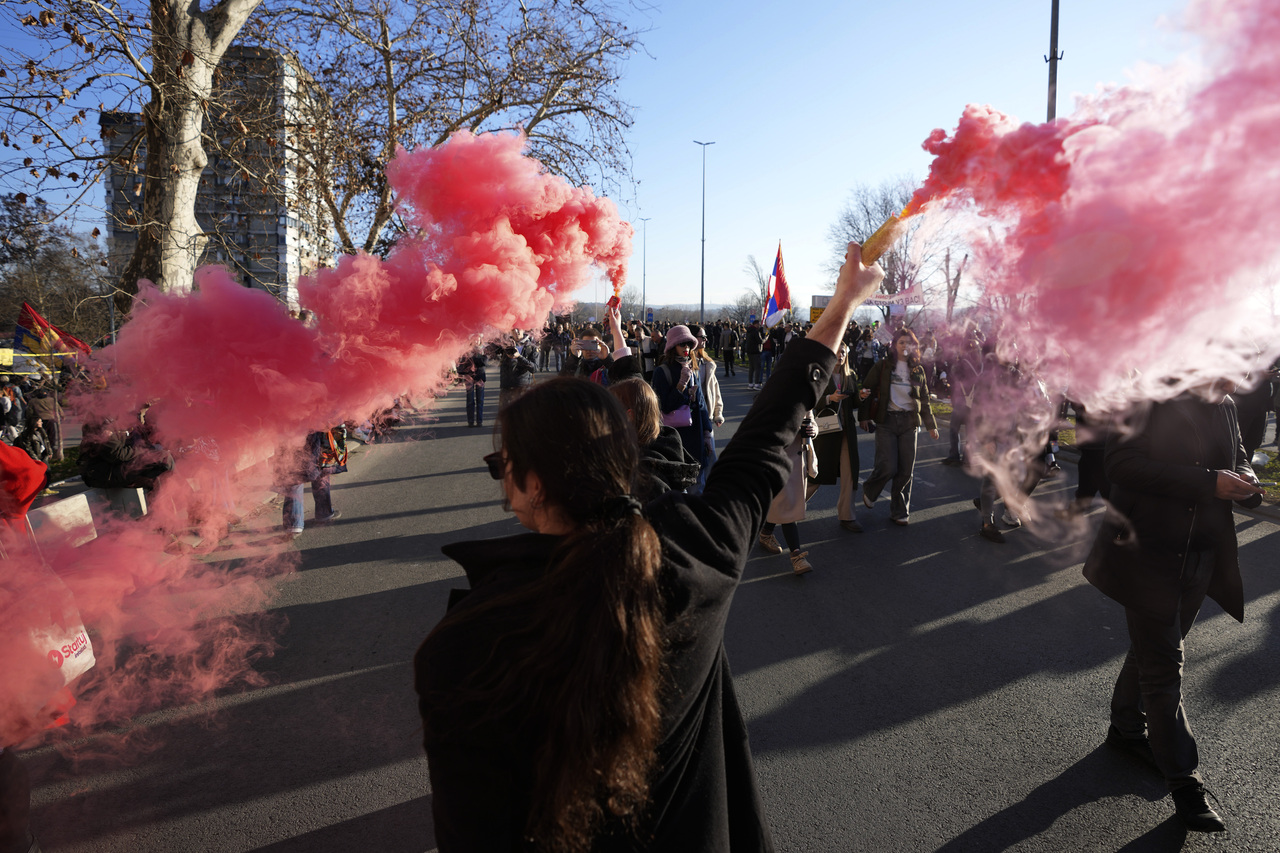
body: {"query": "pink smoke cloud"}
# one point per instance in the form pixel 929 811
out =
pixel 497 242
pixel 1134 234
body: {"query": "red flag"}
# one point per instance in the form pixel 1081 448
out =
pixel 36 336
pixel 780 296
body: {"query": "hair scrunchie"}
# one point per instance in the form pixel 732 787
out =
pixel 619 507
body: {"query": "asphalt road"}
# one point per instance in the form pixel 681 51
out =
pixel 921 690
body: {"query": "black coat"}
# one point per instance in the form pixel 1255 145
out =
pixel 665 466
pixel 704 796
pixel 827 445
pixel 1162 494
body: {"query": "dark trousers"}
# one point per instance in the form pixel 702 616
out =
pixel 54 431
pixel 475 403
pixel 896 461
pixel 1093 474
pixel 507 395
pixel 1148 692
pixel 15 802
pixel 754 375
pixel 728 362
pixel 987 491
pixel 790 533
pixel 959 411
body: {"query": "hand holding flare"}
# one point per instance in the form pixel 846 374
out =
pixel 886 235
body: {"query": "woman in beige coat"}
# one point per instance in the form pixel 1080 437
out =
pixel 787 509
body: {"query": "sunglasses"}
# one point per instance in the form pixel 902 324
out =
pixel 497 464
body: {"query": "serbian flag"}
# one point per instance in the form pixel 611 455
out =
pixel 36 336
pixel 779 294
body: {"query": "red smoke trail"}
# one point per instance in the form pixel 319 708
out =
pixel 231 377
pixel 499 244
pixel 1124 253
pixel 1135 233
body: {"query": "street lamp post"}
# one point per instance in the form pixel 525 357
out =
pixel 644 269
pixel 702 292
pixel 1052 59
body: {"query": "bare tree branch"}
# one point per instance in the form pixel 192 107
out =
pixel 416 72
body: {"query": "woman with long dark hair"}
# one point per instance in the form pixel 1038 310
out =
pixel 838 460
pixel 578 697
pixel 898 405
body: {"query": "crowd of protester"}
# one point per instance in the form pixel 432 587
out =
pixel 646 536
pixel 540 739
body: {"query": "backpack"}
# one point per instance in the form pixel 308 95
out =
pixel 333 451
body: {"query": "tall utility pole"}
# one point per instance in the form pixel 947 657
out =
pixel 644 270
pixel 702 297
pixel 1052 59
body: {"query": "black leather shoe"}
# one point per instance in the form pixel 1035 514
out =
pixel 1194 810
pixel 1138 747
pixel 991 534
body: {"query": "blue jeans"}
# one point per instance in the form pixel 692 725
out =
pixel 475 403
pixel 766 362
pixel 293 508
pixel 706 468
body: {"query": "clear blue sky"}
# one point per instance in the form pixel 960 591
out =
pixel 807 99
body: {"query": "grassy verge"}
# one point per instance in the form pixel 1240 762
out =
pixel 67 467
pixel 1066 435
pixel 1271 473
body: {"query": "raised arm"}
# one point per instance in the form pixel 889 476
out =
pixel 754 466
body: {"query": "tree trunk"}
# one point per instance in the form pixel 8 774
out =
pixel 187 45
pixel 953 285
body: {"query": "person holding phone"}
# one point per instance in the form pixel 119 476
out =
pixel 1169 540
pixel 587 354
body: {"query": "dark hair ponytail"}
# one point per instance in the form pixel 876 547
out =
pixel 582 668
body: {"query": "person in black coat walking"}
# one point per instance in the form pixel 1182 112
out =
pixel 578 696
pixel 1169 540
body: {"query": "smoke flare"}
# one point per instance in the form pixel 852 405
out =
pixel 234 385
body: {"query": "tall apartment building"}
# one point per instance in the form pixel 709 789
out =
pixel 257 215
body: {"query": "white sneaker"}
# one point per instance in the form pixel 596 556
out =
pixel 1010 519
